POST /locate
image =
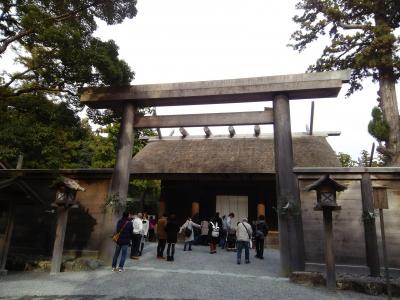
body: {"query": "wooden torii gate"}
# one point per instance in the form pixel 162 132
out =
pixel 279 89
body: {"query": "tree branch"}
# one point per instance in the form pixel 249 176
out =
pixel 38 88
pixel 77 11
pixel 352 26
pixel 17 76
pixel 8 41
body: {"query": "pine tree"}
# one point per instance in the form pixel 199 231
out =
pixel 362 38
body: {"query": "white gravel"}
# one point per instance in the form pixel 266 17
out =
pixel 194 275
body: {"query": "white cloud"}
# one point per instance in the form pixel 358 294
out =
pixel 190 40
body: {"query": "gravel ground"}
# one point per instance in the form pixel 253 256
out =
pixel 194 275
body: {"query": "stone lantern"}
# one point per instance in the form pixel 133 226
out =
pixel 326 189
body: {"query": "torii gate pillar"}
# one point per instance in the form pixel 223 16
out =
pixel 288 200
pixel 120 178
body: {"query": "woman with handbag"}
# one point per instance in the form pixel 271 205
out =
pixel 122 238
pixel 187 229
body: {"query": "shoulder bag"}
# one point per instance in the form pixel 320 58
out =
pixel 250 242
pixel 115 237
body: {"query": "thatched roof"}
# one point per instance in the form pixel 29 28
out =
pixel 228 156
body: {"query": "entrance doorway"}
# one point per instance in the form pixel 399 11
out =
pixel 239 205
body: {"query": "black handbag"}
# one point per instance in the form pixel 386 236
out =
pixel 188 232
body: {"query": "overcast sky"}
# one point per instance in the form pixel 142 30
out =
pixel 191 40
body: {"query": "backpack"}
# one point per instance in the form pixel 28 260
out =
pixel 215 230
pixel 261 230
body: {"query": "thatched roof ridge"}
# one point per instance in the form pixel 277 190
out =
pixel 228 156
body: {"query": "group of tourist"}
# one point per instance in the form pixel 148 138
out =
pixel 134 229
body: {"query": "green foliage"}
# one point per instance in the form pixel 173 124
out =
pixel 103 145
pixel 150 188
pixel 364 37
pixel 55 54
pixel 378 127
pixel 55 47
pixel 50 135
pixel 365 157
pixel 361 33
pixel 362 161
pixel 346 160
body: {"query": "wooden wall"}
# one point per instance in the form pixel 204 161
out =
pixel 348 224
pixel 392 222
pixel 34 226
pixel 85 225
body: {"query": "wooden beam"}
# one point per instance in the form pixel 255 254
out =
pixel 295 86
pixel 257 130
pixel 371 240
pixel 312 119
pixel 58 248
pixel 232 131
pixel 342 170
pixel 197 120
pixel 184 132
pixel 158 129
pixel 329 249
pixel 7 238
pixel 207 131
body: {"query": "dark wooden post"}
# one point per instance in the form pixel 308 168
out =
pixel 381 202
pixel 384 253
pixel 329 250
pixel 7 239
pixel 56 260
pixel 290 225
pixel 371 240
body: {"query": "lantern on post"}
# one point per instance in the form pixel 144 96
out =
pixel 65 199
pixel 326 189
pixel 66 189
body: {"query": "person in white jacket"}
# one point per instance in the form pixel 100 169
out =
pixel 137 225
pixel 243 237
pixel 188 226
pixel 145 232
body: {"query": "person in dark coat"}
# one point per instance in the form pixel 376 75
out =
pixel 172 230
pixel 261 231
pixel 124 227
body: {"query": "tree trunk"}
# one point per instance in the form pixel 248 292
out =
pixel 387 88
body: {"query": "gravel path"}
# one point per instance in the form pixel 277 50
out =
pixel 194 275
